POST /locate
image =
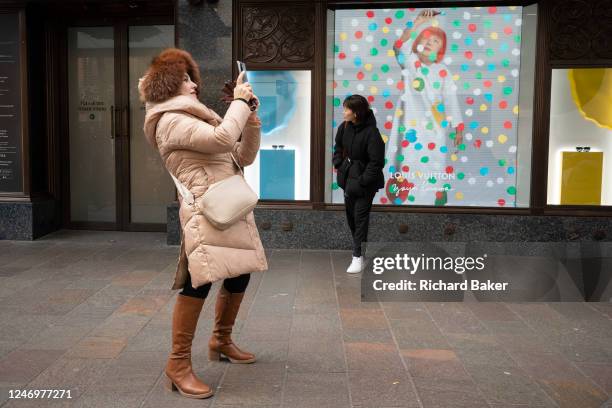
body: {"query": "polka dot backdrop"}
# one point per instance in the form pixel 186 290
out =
pixel 448 112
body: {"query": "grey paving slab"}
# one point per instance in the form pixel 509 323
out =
pixel 74 374
pixel 15 326
pixel 363 319
pixel 516 335
pixel 6 346
pixel 418 333
pixel 603 308
pixel 12 270
pixel 267 328
pixel 382 388
pixel 237 373
pixel 98 347
pixel 368 335
pixel 455 318
pixel 23 365
pixel 479 349
pixel 316 357
pixel 508 385
pixel 491 311
pixel 10 285
pixel 121 325
pixel 373 356
pixel 126 395
pixel 436 365
pixel 574 393
pixel 436 398
pixel 150 338
pixel 463 384
pixel 320 390
pixel 257 391
pixel 60 336
pixel 405 310
pixel 601 374
pixel 314 326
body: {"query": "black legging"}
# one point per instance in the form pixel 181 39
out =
pixel 237 284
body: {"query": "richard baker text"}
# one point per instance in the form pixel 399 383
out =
pixel 439 285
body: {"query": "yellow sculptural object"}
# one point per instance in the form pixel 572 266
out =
pixel 592 93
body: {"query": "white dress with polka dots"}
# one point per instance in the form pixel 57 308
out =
pixel 427 113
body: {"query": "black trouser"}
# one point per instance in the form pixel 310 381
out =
pixel 237 284
pixel 358 216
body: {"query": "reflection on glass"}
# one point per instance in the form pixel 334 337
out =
pixel 91 97
pixel 151 186
pixel 580 141
pixel 281 170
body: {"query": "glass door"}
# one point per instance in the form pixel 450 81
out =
pixel 117 181
pixel 91 125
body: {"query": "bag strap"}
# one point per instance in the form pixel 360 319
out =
pixel 235 161
pixel 183 191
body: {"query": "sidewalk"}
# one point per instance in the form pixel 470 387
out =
pixel 91 312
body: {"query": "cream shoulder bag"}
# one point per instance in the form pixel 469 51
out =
pixel 225 201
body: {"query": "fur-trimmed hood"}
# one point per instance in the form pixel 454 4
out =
pixel 184 103
pixel 164 77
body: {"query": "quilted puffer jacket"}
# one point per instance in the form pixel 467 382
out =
pixel 195 144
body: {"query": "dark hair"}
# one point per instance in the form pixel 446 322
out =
pixel 359 105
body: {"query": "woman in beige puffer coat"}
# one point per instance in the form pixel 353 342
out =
pixel 196 146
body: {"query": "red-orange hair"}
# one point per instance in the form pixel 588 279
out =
pixel 429 31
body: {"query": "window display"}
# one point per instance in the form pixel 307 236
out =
pixel 444 86
pixel 580 142
pixel 281 170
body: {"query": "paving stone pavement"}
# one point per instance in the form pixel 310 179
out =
pixel 90 312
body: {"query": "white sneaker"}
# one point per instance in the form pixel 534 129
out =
pixel 356 265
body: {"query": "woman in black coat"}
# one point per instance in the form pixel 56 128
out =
pixel 359 157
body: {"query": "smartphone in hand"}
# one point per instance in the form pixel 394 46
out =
pixel 242 68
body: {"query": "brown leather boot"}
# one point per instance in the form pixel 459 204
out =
pixel 221 343
pixel 178 369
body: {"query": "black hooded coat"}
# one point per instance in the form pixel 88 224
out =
pixel 359 157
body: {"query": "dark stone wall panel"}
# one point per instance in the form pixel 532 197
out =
pixel 311 229
pixel 278 35
pixel 581 30
pixel 26 221
pixel 205 31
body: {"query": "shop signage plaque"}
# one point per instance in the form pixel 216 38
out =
pixel 11 177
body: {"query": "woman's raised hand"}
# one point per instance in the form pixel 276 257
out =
pixel 422 18
pixel 243 89
pixel 425 16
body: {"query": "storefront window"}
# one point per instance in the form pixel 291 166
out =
pixel 281 170
pixel 452 95
pixel 580 144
